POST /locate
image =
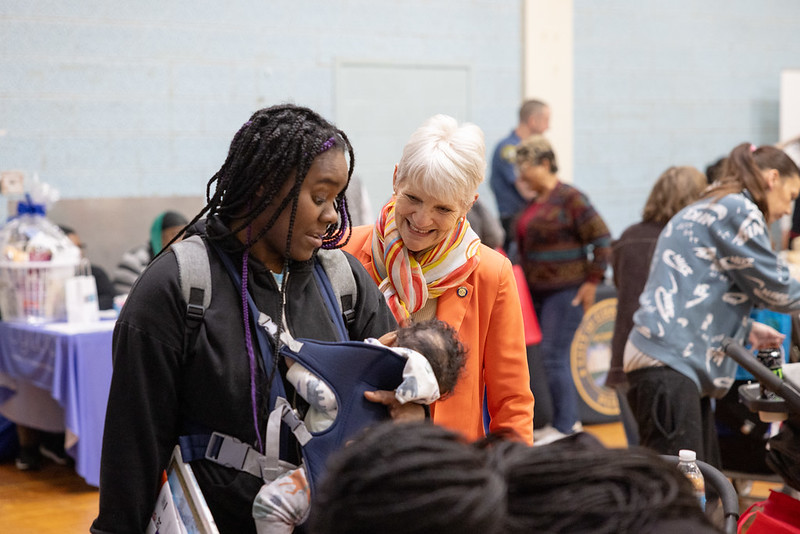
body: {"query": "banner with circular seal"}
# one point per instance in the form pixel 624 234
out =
pixel 590 357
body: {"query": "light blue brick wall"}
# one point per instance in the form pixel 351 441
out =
pixel 111 98
pixel 672 83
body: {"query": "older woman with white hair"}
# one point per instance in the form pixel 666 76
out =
pixel 428 262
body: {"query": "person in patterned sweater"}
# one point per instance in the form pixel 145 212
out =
pixel 564 249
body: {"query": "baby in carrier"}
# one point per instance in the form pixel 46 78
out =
pixel 434 359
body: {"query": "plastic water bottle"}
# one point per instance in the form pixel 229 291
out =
pixel 687 465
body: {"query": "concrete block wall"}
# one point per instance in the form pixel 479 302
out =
pixel 672 83
pixel 118 99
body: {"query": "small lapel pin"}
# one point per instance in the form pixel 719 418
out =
pixel 461 292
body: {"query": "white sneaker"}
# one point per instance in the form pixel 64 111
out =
pixel 546 434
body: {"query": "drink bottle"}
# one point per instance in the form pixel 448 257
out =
pixel 687 465
pixel 772 359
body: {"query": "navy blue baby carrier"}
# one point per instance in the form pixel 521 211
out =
pixel 349 368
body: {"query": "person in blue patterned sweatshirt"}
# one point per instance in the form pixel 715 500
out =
pixel 712 264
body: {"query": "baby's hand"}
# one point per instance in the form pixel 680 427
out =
pixel 388 339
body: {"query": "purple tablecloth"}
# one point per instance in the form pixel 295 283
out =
pixel 72 363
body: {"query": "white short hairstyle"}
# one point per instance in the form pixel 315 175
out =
pixel 445 159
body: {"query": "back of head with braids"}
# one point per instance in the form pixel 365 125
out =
pixel 410 478
pixel 276 145
pixel 575 485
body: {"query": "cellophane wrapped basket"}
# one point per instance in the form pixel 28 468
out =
pixel 37 258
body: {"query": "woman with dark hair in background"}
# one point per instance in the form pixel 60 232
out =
pixel 630 258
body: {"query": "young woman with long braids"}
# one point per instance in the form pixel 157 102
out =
pixel 712 263
pixel 278 198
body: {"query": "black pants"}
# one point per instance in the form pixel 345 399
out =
pixel 626 416
pixel 671 414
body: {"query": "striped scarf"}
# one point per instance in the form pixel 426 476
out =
pixel 406 281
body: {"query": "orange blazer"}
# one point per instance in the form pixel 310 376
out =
pixel 486 313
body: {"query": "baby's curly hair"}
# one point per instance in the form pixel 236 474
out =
pixel 438 342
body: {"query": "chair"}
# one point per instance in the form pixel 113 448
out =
pixel 727 493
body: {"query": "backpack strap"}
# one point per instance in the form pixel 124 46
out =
pixel 195 280
pixel 194 275
pixel 332 304
pixel 342 281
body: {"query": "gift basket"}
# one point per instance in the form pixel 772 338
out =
pixel 36 259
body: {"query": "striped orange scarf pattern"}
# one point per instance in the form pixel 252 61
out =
pixel 408 281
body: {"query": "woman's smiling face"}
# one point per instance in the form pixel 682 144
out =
pixel 422 219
